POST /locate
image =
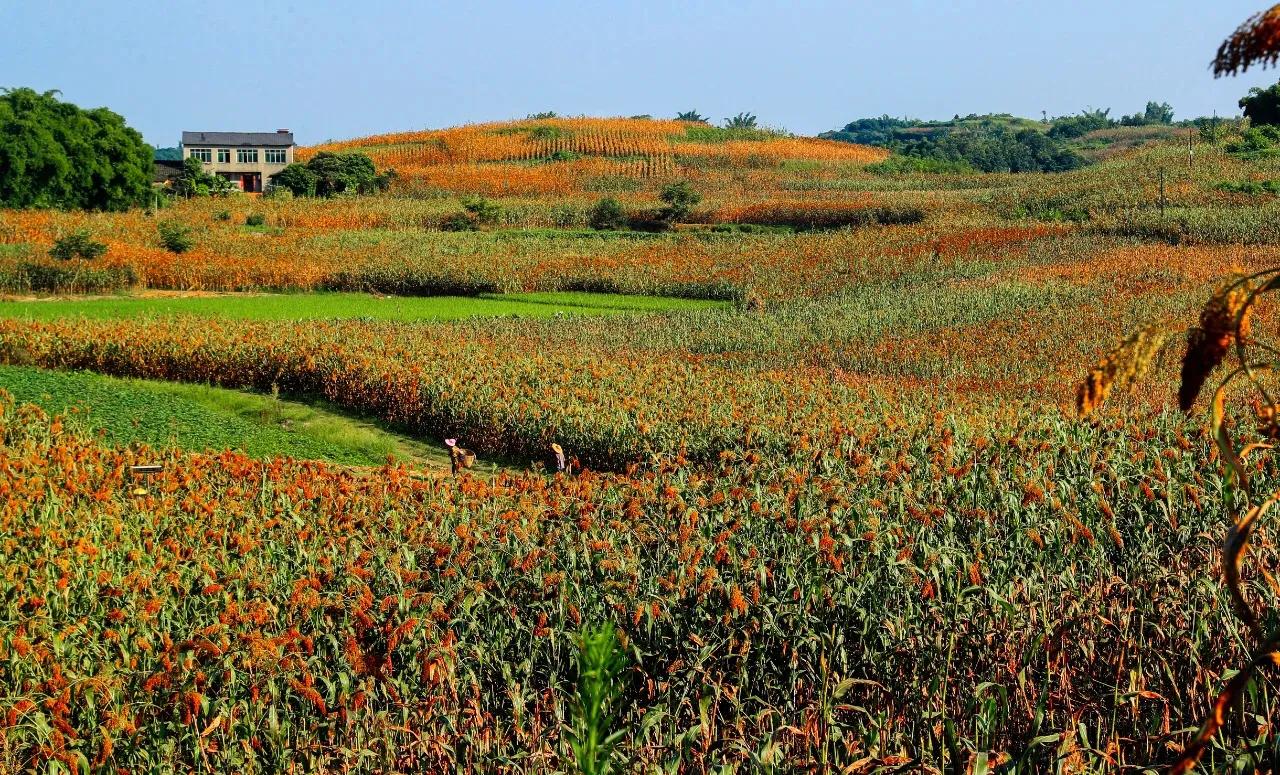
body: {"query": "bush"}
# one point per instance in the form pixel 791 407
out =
pixel 296 179
pixel 821 216
pixel 77 244
pixel 175 237
pixel 483 211
pixel 1258 140
pixel 255 219
pixel 222 215
pixel 1250 187
pixel 607 215
pixel 458 222
pixel 906 165
pixel 194 181
pixel 680 198
pixel 329 174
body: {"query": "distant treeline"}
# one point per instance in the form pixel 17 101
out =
pixel 991 142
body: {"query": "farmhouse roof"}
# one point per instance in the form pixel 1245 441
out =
pixel 282 139
pixel 164 170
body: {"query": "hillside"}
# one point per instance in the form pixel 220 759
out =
pixel 574 155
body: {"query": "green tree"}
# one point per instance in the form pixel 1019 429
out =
pixel 78 244
pixel 175 237
pixel 692 115
pixel 297 179
pixel 338 173
pixel 1262 106
pixel 482 211
pixel 1067 127
pixel 680 198
pixel 1154 113
pixel 607 215
pixel 55 154
pixel 741 121
pixel 195 181
pixel 327 174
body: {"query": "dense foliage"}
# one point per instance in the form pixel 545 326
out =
pixel 328 174
pixel 196 181
pixel 55 154
pixel 986 143
pixel 1262 106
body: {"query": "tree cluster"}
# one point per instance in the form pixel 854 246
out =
pixel 55 154
pixel 328 174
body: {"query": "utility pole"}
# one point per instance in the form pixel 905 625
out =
pixel 1162 199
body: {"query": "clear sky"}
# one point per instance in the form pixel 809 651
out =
pixel 331 70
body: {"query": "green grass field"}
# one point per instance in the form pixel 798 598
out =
pixel 198 417
pixel 306 306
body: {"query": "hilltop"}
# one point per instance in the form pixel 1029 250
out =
pixel 595 155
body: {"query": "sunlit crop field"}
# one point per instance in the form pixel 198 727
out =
pixel 844 518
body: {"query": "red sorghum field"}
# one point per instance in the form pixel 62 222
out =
pixel 851 522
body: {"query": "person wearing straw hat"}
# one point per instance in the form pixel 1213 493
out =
pixel 459 458
pixel 556 461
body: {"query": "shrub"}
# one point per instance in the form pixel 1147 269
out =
pixel 329 174
pixel 296 179
pixel 565 155
pixel 194 181
pixel 1250 187
pixel 906 165
pixel 819 216
pixel 547 132
pixel 255 219
pixel 458 222
pixel 482 211
pixel 222 215
pixel 77 244
pixel 607 215
pixel 680 198
pixel 175 237
pixel 278 193
pixel 1258 140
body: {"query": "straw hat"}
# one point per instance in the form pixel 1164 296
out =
pixel 557 449
pixel 451 442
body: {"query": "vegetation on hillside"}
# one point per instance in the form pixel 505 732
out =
pixel 997 142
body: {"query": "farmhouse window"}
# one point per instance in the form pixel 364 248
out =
pixel 275 156
pixel 203 154
pixel 224 155
pixel 247 155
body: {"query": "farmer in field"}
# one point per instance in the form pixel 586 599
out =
pixel 556 460
pixel 459 458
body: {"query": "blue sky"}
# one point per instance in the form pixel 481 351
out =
pixel 343 69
